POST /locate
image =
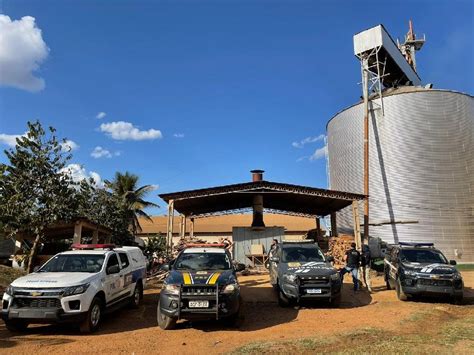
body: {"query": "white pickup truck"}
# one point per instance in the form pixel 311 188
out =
pixel 77 286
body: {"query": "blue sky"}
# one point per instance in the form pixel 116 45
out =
pixel 208 90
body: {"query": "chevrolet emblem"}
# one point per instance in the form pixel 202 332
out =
pixel 36 294
pixel 435 277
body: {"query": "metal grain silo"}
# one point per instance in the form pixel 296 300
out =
pixel 421 167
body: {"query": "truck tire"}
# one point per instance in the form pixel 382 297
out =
pixel 165 322
pixel 233 320
pixel 457 299
pixel 283 301
pixel 16 325
pixel 336 301
pixel 137 295
pixel 402 296
pixel 94 315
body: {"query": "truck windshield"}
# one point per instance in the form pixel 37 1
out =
pixel 301 254
pixel 422 256
pixel 203 261
pixel 74 263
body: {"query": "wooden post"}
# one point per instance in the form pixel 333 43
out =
pixel 77 233
pixel 318 227
pixel 182 226
pixel 169 232
pixel 191 232
pixel 95 236
pixel 334 224
pixel 355 215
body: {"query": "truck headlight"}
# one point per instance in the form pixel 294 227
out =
pixel 457 276
pixel 230 288
pixel 411 273
pixel 291 278
pixel 75 290
pixel 10 290
pixel 335 277
pixel 172 289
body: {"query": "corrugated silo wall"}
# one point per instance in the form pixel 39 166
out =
pixel 421 168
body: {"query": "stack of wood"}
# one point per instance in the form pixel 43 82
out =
pixel 186 240
pixel 338 246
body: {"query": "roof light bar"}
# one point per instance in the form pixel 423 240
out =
pixel 205 245
pixel 408 244
pixel 78 246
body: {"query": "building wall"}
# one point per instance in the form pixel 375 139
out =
pixel 421 168
pixel 244 237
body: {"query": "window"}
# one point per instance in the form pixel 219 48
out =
pixel 124 260
pixel 203 261
pixel 302 254
pixel 112 261
pixel 74 263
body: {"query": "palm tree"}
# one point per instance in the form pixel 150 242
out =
pixel 125 186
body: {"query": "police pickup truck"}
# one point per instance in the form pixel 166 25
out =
pixel 300 271
pixel 202 284
pixel 419 269
pixel 76 286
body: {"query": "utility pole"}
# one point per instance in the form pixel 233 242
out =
pixel 365 83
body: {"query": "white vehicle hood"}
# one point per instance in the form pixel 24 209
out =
pixel 53 279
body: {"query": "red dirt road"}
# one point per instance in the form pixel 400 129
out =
pixel 130 331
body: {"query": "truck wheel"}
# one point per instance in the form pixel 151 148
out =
pixel 232 321
pixel 402 296
pixel 457 299
pixel 16 325
pixel 283 301
pixel 164 321
pixel 91 323
pixel 336 301
pixel 137 296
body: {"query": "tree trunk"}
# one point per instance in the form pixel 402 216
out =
pixel 33 252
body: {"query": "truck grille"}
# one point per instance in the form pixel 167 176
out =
pixel 313 281
pixel 36 302
pixel 430 282
pixel 194 290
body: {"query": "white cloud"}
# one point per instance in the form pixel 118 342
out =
pixel 79 173
pixel 319 153
pixel 126 131
pixel 307 140
pixel 100 152
pixel 155 187
pixel 69 146
pixel 101 115
pixel 178 135
pixel 9 139
pixel 22 50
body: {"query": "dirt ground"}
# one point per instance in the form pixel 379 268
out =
pixel 263 322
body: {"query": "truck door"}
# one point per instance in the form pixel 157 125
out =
pixel 127 274
pixel 113 280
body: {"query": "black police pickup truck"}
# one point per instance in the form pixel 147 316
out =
pixel 300 271
pixel 420 269
pixel 202 284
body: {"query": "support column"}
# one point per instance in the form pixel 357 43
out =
pixel 365 83
pixel 77 233
pixel 182 226
pixel 191 232
pixel 95 237
pixel 318 227
pixel 356 219
pixel 169 231
pixel 334 224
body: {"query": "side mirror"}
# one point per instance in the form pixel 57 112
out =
pixel 114 269
pixel 452 262
pixel 275 259
pixel 165 267
pixel 330 259
pixel 36 268
pixel 239 267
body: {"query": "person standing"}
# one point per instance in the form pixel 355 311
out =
pixel 352 260
pixel 365 265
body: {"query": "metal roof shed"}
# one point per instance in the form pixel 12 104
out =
pixel 260 195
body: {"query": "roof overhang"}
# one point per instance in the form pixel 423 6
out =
pixel 277 197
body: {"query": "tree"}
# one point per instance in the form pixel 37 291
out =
pixel 34 193
pixel 125 186
pixel 156 244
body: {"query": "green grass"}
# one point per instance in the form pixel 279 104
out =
pixel 377 341
pixel 465 267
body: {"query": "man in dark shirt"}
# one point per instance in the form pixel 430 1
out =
pixel 365 265
pixel 352 259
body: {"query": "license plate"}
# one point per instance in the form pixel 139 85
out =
pixel 313 290
pixel 198 304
